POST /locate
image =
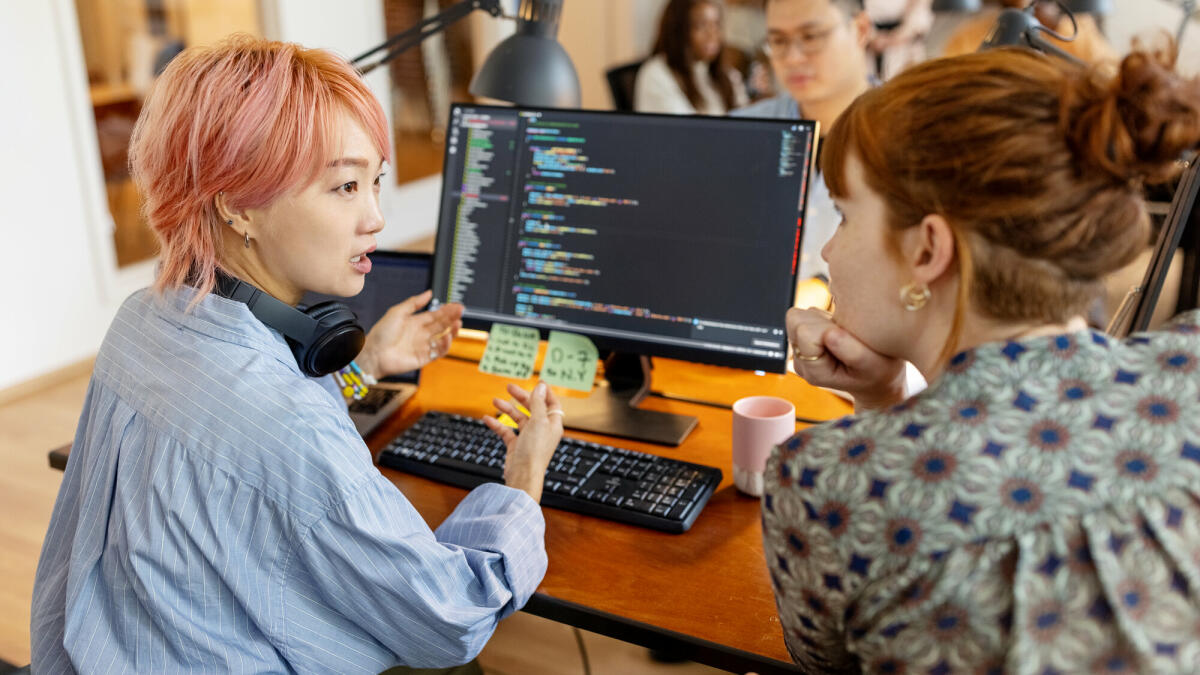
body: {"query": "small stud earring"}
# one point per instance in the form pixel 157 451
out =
pixel 229 222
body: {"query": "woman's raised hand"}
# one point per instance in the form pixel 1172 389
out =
pixel 402 340
pixel 529 451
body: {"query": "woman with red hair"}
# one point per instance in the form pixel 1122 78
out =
pixel 1036 509
pixel 219 511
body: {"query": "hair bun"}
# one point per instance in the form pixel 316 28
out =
pixel 1136 124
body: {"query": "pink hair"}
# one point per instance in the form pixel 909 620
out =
pixel 246 117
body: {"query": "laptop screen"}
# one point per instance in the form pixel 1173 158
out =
pixel 394 277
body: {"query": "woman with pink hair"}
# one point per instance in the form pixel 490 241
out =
pixel 219 511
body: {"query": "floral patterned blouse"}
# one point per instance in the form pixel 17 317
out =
pixel 1036 510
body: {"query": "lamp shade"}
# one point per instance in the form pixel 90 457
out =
pixel 530 67
pixel 529 70
pixel 957 5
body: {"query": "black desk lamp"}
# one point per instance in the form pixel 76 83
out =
pixel 528 68
pixel 1020 28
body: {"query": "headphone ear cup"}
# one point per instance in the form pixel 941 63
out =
pixel 337 340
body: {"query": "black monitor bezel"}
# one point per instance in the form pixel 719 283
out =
pixel 1183 216
pixel 618 344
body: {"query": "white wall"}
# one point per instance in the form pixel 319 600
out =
pixel 1131 18
pixel 53 248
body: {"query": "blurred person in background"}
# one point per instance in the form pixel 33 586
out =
pixel 686 74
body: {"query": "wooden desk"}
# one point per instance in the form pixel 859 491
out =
pixel 705 594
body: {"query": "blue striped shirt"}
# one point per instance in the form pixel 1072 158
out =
pixel 220 513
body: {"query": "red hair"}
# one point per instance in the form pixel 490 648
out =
pixel 250 118
pixel 1035 163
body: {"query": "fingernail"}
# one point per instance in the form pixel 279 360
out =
pixel 540 389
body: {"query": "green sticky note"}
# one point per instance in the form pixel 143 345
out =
pixel 511 351
pixel 570 361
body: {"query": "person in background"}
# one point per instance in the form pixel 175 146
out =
pixel 900 30
pixel 818 51
pixel 1037 508
pixel 686 74
pixel 219 512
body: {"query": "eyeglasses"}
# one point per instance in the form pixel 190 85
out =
pixel 809 42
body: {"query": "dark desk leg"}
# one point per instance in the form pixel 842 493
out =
pixel 58 457
pixel 693 649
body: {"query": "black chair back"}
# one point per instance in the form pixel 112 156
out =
pixel 620 83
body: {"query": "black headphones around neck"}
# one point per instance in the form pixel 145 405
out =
pixel 324 337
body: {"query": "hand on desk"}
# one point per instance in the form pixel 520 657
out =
pixel 403 341
pixel 827 355
pixel 529 453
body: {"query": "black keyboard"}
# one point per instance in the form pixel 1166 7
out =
pixel 588 478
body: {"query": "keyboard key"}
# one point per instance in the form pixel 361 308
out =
pixel 639 505
pixel 679 510
pixel 470 467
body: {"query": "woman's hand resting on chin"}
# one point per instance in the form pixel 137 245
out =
pixel 826 355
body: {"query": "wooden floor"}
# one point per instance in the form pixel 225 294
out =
pixel 30 426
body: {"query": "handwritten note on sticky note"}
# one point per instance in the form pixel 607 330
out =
pixel 570 361
pixel 511 351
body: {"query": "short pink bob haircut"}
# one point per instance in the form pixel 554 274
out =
pixel 254 119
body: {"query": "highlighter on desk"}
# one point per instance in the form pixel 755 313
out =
pixel 507 421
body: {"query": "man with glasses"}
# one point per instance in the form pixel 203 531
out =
pixel 818 51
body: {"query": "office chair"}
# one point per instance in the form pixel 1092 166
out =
pixel 620 83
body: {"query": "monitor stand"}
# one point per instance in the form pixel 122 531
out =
pixel 611 410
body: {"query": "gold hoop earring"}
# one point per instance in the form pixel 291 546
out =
pixel 247 239
pixel 914 296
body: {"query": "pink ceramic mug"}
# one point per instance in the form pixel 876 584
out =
pixel 759 423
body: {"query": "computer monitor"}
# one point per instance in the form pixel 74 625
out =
pixel 654 235
pixel 1181 229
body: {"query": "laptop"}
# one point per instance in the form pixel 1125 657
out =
pixel 394 277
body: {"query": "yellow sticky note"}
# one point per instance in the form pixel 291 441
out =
pixel 511 351
pixel 570 361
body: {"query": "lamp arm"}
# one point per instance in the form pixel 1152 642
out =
pixel 414 36
pixel 1020 28
pixel 1039 43
pixel 1189 7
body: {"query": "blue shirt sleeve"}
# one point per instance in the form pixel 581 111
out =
pixel 432 599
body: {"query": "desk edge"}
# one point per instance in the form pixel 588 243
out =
pixel 654 637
